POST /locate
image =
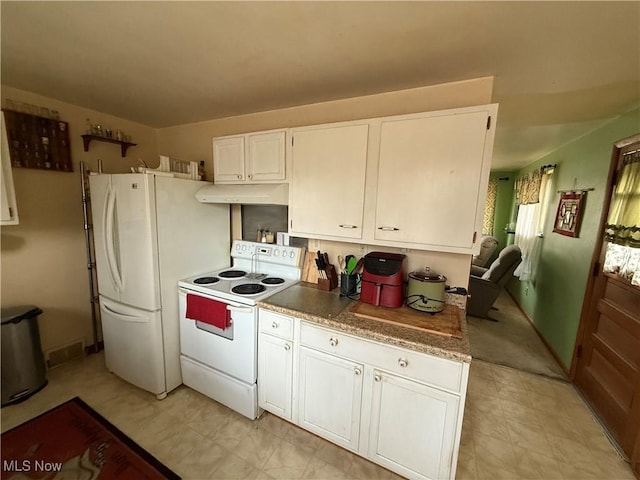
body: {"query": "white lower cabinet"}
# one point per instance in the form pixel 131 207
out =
pixel 330 397
pixel 412 427
pixel 275 363
pixel 398 408
pixel 275 370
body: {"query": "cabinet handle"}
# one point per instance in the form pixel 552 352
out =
pixel 342 225
pixel 333 341
pixel 250 176
pixel 287 347
pixel 274 325
pixel 388 229
pixel 403 362
pixel 357 371
pixel 377 377
pixel 239 177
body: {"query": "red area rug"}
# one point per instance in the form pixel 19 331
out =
pixel 74 441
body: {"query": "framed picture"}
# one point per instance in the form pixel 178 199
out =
pixel 569 214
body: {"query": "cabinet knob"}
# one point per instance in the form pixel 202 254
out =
pixel 403 362
pixel 239 177
pixel 357 371
pixel 274 325
pixel 377 377
pixel 333 341
pixel 287 347
pixel 250 176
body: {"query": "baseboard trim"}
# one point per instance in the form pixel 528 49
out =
pixel 544 340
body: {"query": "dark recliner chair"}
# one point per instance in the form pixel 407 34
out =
pixel 485 284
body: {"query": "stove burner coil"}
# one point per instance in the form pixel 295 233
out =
pixel 248 289
pixel 273 281
pixel 206 280
pixel 232 274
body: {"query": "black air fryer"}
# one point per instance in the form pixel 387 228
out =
pixel 383 279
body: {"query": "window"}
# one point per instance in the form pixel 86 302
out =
pixel 622 230
pixel 532 195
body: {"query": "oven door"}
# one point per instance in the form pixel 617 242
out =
pixel 231 350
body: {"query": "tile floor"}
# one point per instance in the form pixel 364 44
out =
pixel 516 426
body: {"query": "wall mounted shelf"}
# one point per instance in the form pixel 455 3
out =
pixel 86 139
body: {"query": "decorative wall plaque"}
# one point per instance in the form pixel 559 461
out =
pixel 38 142
pixel 569 214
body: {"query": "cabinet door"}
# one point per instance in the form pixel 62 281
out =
pixel 330 395
pixel 228 160
pixel 266 156
pixel 429 180
pixel 327 183
pixel 275 375
pixel 412 427
pixel 8 207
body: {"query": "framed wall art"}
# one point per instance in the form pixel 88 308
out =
pixel 569 214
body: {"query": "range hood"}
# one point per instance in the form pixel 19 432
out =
pixel 255 194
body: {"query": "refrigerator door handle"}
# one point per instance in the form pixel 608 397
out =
pixel 124 317
pixel 109 234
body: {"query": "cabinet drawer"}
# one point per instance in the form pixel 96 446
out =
pixel 438 372
pixel 276 324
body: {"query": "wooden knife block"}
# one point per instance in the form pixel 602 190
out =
pixel 331 281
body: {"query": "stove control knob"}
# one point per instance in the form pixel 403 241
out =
pixel 238 247
pixel 244 248
pixel 276 252
pixel 292 254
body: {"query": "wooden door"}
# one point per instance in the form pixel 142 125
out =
pixel 606 364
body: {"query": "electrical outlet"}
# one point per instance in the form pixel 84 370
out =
pixel 363 250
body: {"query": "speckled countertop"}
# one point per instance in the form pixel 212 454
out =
pixel 306 302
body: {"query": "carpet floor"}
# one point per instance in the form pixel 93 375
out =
pixel 511 341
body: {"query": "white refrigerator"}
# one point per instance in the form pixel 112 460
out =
pixel 150 232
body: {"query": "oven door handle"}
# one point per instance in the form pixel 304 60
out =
pixel 233 308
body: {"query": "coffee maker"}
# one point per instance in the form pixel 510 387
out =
pixel 383 279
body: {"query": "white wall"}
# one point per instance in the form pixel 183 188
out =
pixel 43 259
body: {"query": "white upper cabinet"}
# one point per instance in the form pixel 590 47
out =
pixel 414 181
pixel 252 158
pixel 8 206
pixel 430 174
pixel 327 184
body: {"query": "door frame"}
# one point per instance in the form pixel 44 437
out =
pixel 618 148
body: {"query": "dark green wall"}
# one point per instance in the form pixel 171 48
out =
pixel 553 299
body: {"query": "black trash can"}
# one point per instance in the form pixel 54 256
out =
pixel 23 368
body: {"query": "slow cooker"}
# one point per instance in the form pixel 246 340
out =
pixel 426 291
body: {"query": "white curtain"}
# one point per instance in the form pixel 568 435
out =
pixel 527 237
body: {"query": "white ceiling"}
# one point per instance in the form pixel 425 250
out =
pixel 561 68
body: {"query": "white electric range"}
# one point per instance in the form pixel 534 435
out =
pixel 219 321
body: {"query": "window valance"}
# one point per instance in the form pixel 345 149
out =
pixel 528 187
